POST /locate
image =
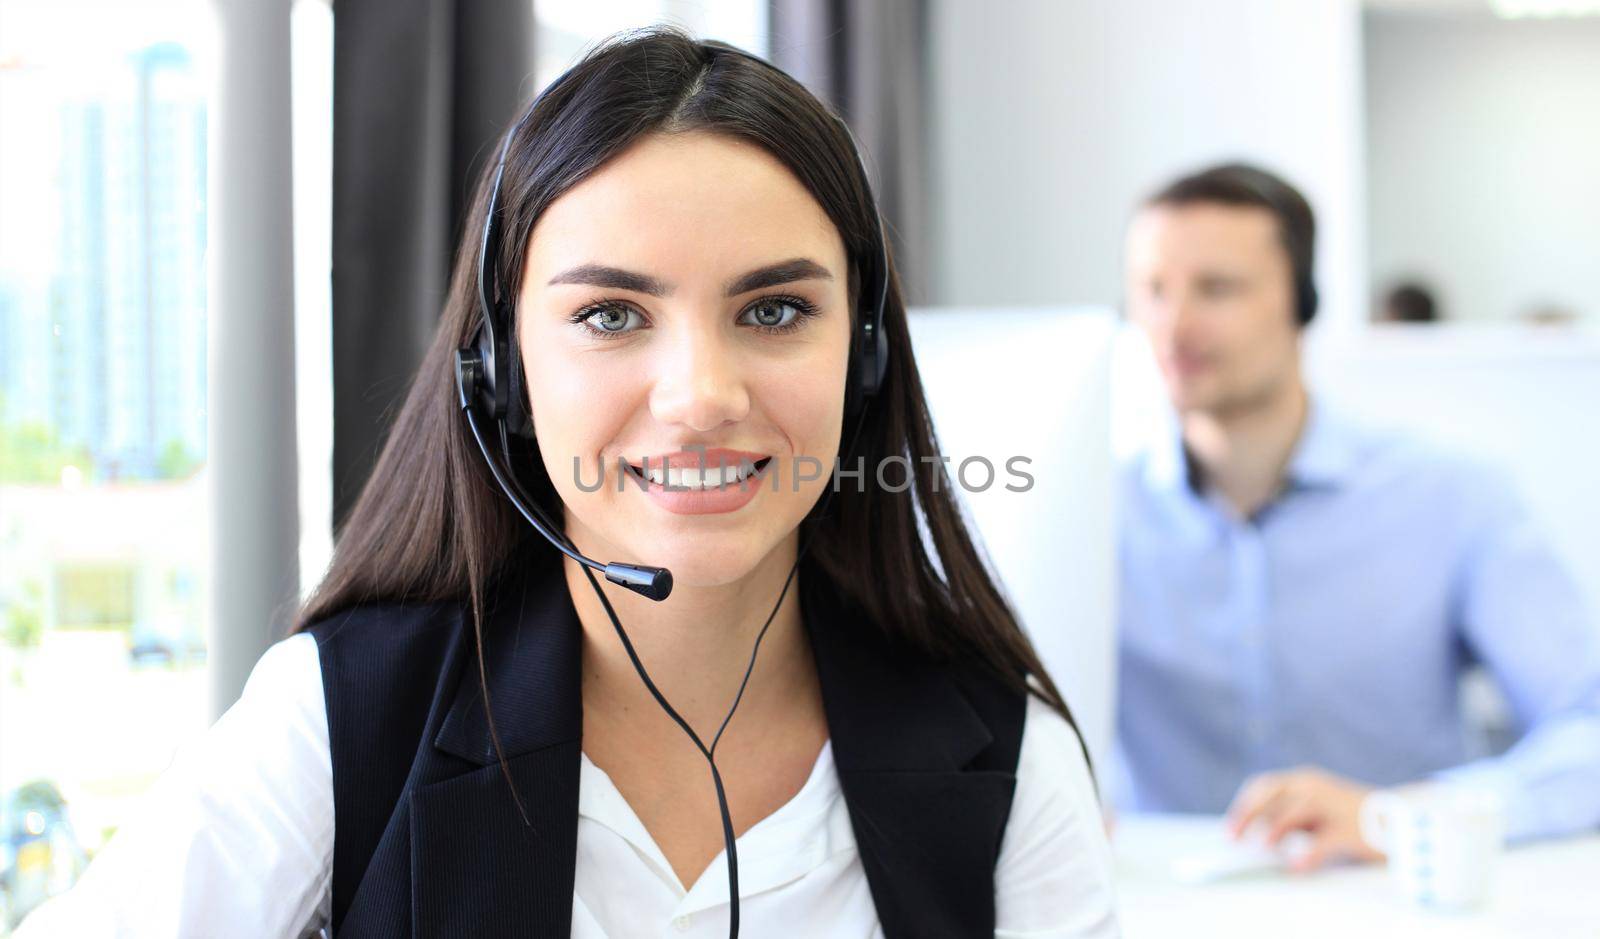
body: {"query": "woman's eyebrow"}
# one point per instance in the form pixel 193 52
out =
pixel 772 275
pixel 784 272
pixel 599 275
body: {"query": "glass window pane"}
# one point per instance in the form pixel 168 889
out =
pixel 103 128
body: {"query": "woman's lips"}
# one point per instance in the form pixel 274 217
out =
pixel 707 457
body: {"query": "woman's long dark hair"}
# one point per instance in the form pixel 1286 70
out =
pixel 431 525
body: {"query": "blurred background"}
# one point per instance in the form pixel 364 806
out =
pixel 226 225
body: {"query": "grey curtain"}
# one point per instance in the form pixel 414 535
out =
pixel 869 60
pixel 421 90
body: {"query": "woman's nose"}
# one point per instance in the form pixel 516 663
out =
pixel 700 382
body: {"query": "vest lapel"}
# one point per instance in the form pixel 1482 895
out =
pixel 477 868
pixel 926 815
pixel 927 824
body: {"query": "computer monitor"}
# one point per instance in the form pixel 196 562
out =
pixel 1034 384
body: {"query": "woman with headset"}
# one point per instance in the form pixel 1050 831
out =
pixel 794 702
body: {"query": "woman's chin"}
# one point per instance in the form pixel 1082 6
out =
pixel 704 569
pixel 702 560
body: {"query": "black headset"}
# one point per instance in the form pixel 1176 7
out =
pixel 489 390
pixel 1305 296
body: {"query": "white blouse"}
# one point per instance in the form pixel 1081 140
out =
pixel 236 838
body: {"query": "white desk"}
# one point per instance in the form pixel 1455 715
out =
pixel 1548 890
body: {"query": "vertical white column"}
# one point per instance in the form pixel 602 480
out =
pixel 311 38
pixel 251 356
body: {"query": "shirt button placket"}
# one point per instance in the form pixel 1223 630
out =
pixel 1254 590
pixel 682 923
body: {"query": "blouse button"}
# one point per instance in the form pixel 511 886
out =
pixel 682 923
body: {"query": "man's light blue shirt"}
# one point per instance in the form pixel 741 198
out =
pixel 1332 630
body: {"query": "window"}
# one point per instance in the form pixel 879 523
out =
pixel 94 596
pixel 102 421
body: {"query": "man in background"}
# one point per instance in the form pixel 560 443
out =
pixel 1300 594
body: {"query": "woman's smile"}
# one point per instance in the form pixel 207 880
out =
pixel 701 481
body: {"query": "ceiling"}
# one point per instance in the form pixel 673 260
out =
pixel 1473 8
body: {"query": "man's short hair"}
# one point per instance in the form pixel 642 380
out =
pixel 1410 303
pixel 1241 184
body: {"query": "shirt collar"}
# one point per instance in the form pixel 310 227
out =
pixel 802 834
pixel 1325 454
pixel 1166 467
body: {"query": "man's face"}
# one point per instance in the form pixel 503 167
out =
pixel 1213 288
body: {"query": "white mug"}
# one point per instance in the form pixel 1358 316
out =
pixel 1442 841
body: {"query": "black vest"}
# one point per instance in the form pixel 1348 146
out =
pixel 428 841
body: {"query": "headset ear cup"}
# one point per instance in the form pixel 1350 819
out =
pixel 869 361
pixel 863 375
pixel 880 357
pixel 1306 301
pixel 518 420
pixel 852 382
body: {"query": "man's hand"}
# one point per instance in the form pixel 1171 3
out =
pixel 1305 799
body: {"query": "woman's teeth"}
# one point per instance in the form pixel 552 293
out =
pixel 693 477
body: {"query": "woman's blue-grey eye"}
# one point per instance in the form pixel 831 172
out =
pixel 774 313
pixel 611 319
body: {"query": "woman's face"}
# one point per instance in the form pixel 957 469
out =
pixel 687 304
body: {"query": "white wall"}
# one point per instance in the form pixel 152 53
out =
pixel 1484 160
pixel 1051 120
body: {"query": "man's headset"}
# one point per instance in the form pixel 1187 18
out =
pixel 489 390
pixel 1305 297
